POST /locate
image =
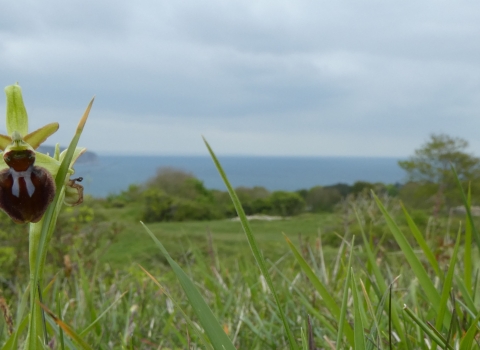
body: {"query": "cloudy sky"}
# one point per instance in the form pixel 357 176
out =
pixel 308 78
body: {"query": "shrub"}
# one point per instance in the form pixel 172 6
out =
pixel 286 203
pixel 322 198
pixel 185 210
pixel 157 206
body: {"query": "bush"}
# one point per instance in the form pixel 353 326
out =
pixel 157 206
pixel 286 203
pixel 322 198
pixel 185 210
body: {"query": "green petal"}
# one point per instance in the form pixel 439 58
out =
pixel 38 136
pixel 17 119
pixel 47 162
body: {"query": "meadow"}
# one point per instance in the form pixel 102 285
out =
pixel 364 276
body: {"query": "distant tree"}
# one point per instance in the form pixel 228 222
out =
pixel 430 165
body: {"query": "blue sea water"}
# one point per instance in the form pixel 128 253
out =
pixel 112 174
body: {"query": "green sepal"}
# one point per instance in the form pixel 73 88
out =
pixel 17 118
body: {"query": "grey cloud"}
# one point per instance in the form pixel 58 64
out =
pixel 304 67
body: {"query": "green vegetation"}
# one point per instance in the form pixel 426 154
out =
pixel 431 181
pixel 339 268
pixel 174 195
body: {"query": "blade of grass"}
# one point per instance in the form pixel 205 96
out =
pixel 358 325
pixel 12 342
pixel 467 207
pixel 426 329
pixel 67 329
pixel 467 257
pixel 381 284
pixel 254 247
pixel 417 267
pixel 467 340
pixel 59 313
pixel 422 243
pixel 328 300
pixel 343 309
pixel 214 331
pixel 447 285
pixel 200 335
pixel 86 330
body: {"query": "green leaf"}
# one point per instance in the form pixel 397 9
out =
pixel 214 331
pixel 253 246
pixel 17 118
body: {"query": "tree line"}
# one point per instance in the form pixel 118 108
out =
pixel 175 195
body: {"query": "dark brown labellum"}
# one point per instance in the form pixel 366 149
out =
pixel 26 190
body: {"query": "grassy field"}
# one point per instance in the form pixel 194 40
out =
pixel 319 279
pixel 227 236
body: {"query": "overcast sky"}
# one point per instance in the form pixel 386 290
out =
pixel 326 78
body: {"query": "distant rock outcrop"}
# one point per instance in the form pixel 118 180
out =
pixel 87 157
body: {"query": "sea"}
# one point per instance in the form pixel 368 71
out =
pixel 107 175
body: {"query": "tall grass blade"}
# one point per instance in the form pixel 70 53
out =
pixel 343 309
pixel 467 207
pixel 67 329
pixel 417 267
pixel 303 333
pixel 422 243
pixel 311 340
pixel 59 313
pixel 253 246
pixel 214 331
pixel 467 257
pixel 434 336
pixel 12 342
pixel 327 298
pixel 200 335
pixel 467 341
pixel 447 286
pixel 382 285
pixel 86 330
pixel 358 325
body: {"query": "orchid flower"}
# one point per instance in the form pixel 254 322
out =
pixel 26 176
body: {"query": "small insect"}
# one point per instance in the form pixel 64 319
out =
pixel 26 190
